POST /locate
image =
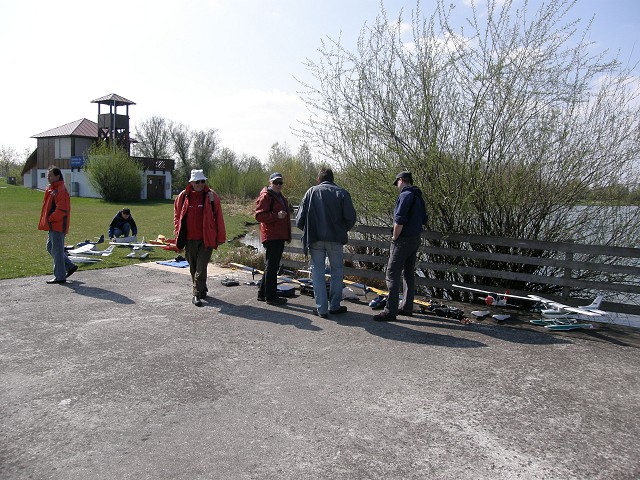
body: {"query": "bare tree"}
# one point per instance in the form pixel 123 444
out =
pixel 154 138
pixel 181 137
pixel 507 124
pixel 8 159
pixel 204 148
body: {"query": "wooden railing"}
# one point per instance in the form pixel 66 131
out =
pixel 482 261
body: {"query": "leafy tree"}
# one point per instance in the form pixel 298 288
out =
pixel 253 177
pixel 113 174
pixel 224 172
pixel 506 124
pixel 299 171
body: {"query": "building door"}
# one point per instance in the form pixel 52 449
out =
pixel 155 187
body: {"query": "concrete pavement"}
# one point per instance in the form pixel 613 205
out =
pixel 116 375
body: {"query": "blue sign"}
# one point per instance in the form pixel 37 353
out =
pixel 77 162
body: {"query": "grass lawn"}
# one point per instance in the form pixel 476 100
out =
pixel 23 250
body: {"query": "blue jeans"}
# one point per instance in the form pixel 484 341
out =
pixel 55 247
pixel 320 251
pixel 400 273
pixel 124 231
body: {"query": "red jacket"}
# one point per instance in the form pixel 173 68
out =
pixel 213 228
pixel 267 208
pixel 56 208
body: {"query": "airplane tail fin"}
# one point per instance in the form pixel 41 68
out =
pixel 596 303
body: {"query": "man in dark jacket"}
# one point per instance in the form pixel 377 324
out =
pixel 123 224
pixel 325 216
pixel 272 211
pixel 409 215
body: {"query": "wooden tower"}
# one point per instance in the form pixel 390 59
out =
pixel 112 127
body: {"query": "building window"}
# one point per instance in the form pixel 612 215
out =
pixel 63 147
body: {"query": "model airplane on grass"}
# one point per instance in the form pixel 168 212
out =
pixel 89 249
pixel 80 259
pixel 132 242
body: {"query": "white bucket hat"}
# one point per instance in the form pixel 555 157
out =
pixel 197 175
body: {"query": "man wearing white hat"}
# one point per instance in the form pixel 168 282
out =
pixel 199 228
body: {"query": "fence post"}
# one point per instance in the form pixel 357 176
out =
pixel 568 256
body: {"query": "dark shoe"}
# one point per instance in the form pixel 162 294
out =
pixel 54 280
pixel 317 314
pixel 277 301
pixel 384 317
pixel 261 298
pixel 202 295
pixel 196 301
pixel 72 270
pixel 342 309
pixel 405 313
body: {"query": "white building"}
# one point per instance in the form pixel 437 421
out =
pixel 66 147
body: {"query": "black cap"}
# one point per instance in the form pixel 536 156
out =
pixel 404 176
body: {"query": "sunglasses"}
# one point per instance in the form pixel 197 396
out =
pixel 199 181
pixel 278 182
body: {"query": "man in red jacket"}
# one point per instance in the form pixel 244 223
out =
pixel 54 218
pixel 272 211
pixel 199 228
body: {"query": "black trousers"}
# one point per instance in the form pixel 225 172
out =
pixel 272 256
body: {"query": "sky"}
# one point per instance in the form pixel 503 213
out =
pixel 231 65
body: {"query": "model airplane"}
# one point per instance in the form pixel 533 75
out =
pixel 562 324
pixel 88 249
pixel 559 310
pixel 79 259
pixel 558 316
pixel 133 243
pixel 494 299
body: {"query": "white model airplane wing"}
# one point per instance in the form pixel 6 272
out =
pixel 83 249
pixel 497 294
pixel 76 259
pixel 107 251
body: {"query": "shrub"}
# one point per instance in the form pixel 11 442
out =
pixel 113 174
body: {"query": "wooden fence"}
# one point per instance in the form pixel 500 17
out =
pixel 484 261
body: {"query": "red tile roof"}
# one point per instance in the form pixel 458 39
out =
pixel 79 128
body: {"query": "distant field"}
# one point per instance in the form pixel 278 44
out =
pixel 23 247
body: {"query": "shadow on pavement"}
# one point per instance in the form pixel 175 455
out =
pixel 283 317
pixel 99 293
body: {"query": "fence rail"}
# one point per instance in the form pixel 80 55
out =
pixel 475 260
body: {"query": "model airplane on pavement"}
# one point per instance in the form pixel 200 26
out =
pixel 558 316
pixel 494 299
